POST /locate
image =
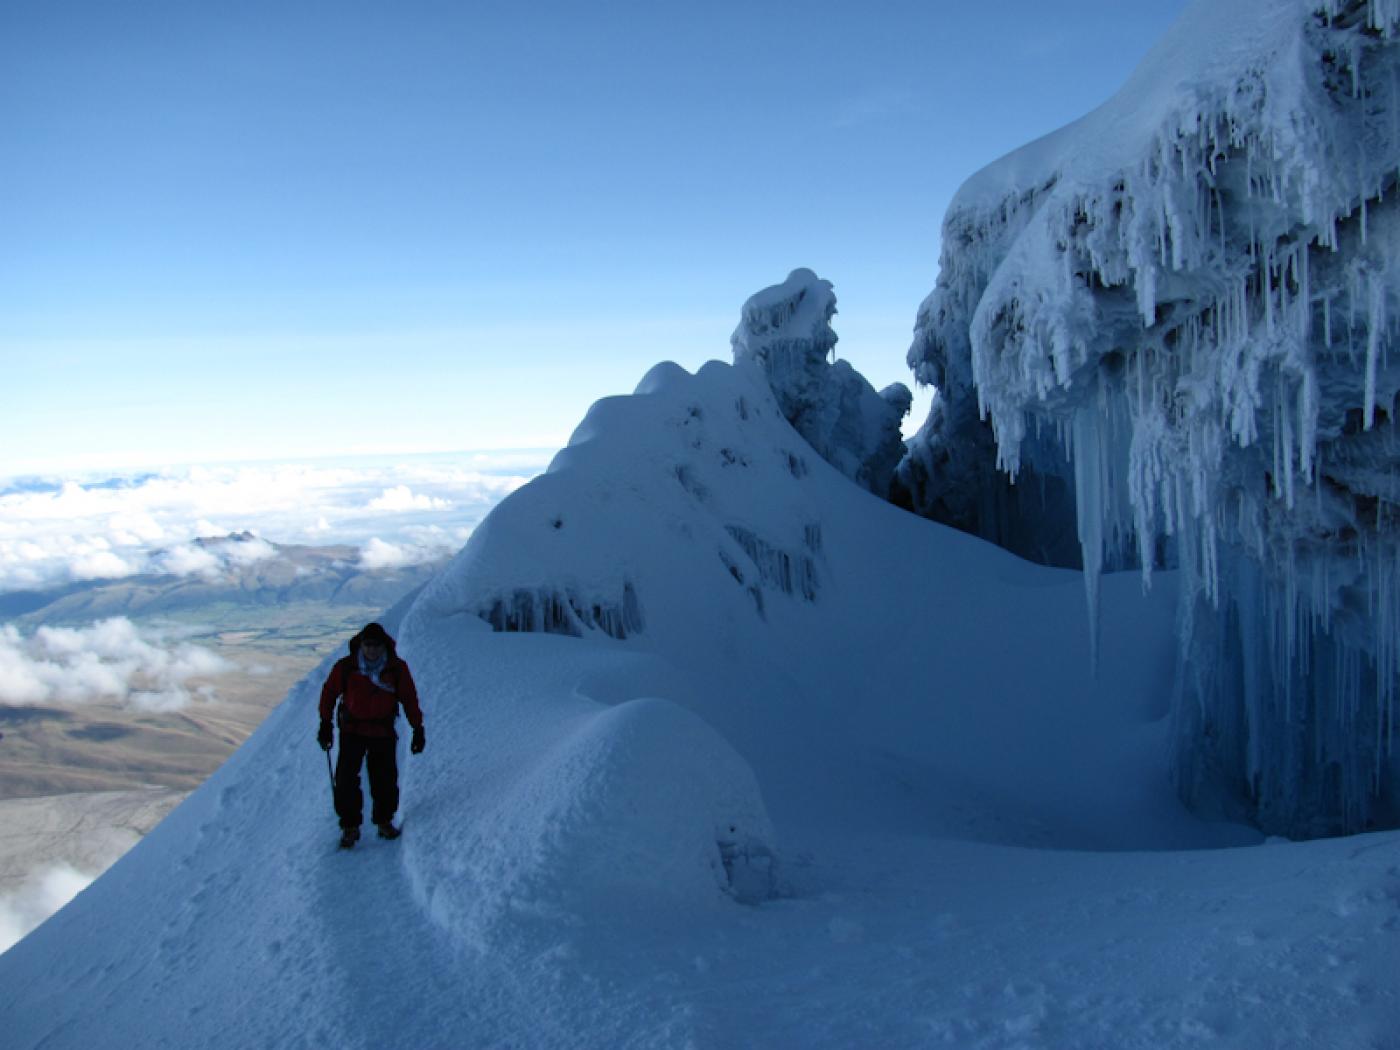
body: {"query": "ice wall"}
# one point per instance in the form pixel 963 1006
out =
pixel 1182 307
pixel 786 331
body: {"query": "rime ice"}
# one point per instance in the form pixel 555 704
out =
pixel 1182 306
pixel 786 331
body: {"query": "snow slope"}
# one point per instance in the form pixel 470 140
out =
pixel 725 752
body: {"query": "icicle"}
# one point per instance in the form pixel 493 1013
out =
pixel 1363 211
pixel 1231 374
pixel 1285 432
pixel 1247 608
pixel 1265 280
pixel 1376 322
pixel 1307 416
pixel 1089 507
pixel 1394 106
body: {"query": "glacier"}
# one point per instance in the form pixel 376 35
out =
pixel 1161 337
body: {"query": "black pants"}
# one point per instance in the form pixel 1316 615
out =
pixel 383 778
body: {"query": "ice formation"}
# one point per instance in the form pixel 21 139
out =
pixel 1179 312
pixel 786 331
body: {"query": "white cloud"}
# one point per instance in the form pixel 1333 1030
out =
pixel 109 528
pixel 377 554
pixel 29 561
pixel 414 545
pixel 212 561
pixel 189 560
pixel 401 497
pixel 130 528
pixel 38 897
pixel 112 660
pixel 247 552
pixel 101 565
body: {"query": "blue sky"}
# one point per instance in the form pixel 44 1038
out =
pixel 235 231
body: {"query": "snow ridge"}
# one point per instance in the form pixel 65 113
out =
pixel 1183 306
pixel 559 556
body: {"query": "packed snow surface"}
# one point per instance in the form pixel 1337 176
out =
pixel 725 752
pixel 1171 321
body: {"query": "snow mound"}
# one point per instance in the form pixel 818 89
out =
pixel 639 807
pixel 786 331
pixel 1170 322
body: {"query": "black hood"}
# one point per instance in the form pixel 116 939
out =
pixel 374 630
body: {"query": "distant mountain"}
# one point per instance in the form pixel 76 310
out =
pixel 291 573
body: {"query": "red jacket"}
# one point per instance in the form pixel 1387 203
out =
pixel 368 710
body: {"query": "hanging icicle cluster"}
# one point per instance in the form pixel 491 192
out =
pixel 1192 323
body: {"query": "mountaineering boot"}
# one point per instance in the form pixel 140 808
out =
pixel 348 837
pixel 388 831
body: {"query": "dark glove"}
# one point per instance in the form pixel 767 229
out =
pixel 417 745
pixel 326 736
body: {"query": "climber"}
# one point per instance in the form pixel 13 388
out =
pixel 371 683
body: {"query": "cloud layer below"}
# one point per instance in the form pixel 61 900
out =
pixel 55 531
pixel 111 661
